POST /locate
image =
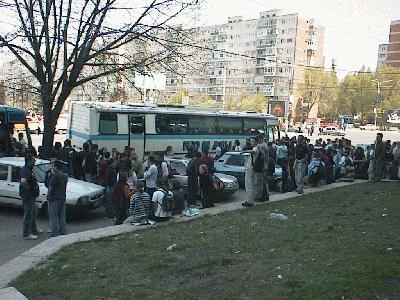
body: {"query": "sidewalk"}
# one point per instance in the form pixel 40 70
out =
pixel 41 252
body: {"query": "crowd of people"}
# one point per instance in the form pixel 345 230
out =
pixel 137 191
pixel 323 162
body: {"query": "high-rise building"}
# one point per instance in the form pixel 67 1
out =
pixel 390 53
pixel 382 54
pixel 267 55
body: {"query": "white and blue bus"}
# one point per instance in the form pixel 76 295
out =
pixel 153 128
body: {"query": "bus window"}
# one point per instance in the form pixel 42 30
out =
pixel 137 124
pixel 173 124
pixel 230 126
pixel 254 126
pixel 202 124
pixel 108 123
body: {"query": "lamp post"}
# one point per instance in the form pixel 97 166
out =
pixel 378 93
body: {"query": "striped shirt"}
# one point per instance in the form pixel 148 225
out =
pixel 139 205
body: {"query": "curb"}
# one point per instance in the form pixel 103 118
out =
pixel 39 253
pixel 11 293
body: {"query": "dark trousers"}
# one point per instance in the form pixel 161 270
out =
pixel 30 215
pixel 120 213
pixel 150 191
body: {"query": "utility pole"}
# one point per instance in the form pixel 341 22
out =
pixel 378 95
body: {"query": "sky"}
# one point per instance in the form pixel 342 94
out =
pixel 353 28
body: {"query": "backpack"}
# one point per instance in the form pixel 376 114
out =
pixel 258 164
pixel 167 203
pixel 217 183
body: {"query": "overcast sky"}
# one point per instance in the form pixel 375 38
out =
pixel 353 28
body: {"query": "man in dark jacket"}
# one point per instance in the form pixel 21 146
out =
pixel 29 191
pixel 110 180
pixel 192 171
pixel 65 156
pixel 379 157
pixel 56 199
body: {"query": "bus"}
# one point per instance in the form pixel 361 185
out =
pixel 12 121
pixel 152 128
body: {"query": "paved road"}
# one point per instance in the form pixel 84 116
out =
pixel 358 136
pixel 13 245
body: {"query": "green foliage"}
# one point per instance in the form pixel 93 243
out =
pixel 202 99
pixel 246 102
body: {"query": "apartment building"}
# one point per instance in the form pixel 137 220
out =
pixel 267 55
pixel 390 53
pixel 382 55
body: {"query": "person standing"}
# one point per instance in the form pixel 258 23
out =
pixel 379 158
pixel 300 163
pixel 264 151
pixel 56 196
pixel 192 171
pixel 29 191
pixel 150 175
pixel 110 180
pixel 120 197
pixel 207 187
pixel 65 156
pixel 90 164
pixel 207 160
pixel 250 182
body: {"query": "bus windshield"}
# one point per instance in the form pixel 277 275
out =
pixel 13 126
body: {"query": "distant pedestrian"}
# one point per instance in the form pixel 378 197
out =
pixel 89 164
pixel 236 146
pixel 207 160
pixel 56 199
pixel 29 191
pixel 252 186
pixel 265 151
pixel 169 151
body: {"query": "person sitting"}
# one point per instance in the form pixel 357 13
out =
pixel 179 197
pixel 316 170
pixel 139 205
pixel 160 210
pixel 347 170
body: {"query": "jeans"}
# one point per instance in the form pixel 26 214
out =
pixel 299 173
pixel 89 177
pixel 109 205
pixel 58 222
pixel 30 215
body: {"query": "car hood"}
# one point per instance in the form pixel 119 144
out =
pixel 81 188
pixel 225 178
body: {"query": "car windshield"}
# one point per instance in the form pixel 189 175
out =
pixel 40 171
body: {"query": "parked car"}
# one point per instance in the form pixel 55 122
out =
pixel 332 130
pixel 81 196
pixel 369 127
pixel 178 167
pixel 61 126
pixel 233 163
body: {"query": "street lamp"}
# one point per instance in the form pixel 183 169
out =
pixel 378 85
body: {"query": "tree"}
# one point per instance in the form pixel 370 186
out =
pixel 319 89
pixel 202 99
pixel 246 102
pixel 64 44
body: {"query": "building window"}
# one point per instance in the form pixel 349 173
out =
pixel 108 123
pixel 290 40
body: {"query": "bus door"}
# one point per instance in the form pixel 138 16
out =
pixel 136 135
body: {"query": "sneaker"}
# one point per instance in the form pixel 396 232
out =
pixel 247 204
pixel 31 237
pixel 300 192
pixel 49 231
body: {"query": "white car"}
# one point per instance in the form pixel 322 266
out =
pixel 81 196
pixel 332 130
pixel 178 166
pixel 369 127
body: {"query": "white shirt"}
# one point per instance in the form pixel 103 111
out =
pixel 157 198
pixel 151 177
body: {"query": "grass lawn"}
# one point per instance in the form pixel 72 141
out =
pixel 340 243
